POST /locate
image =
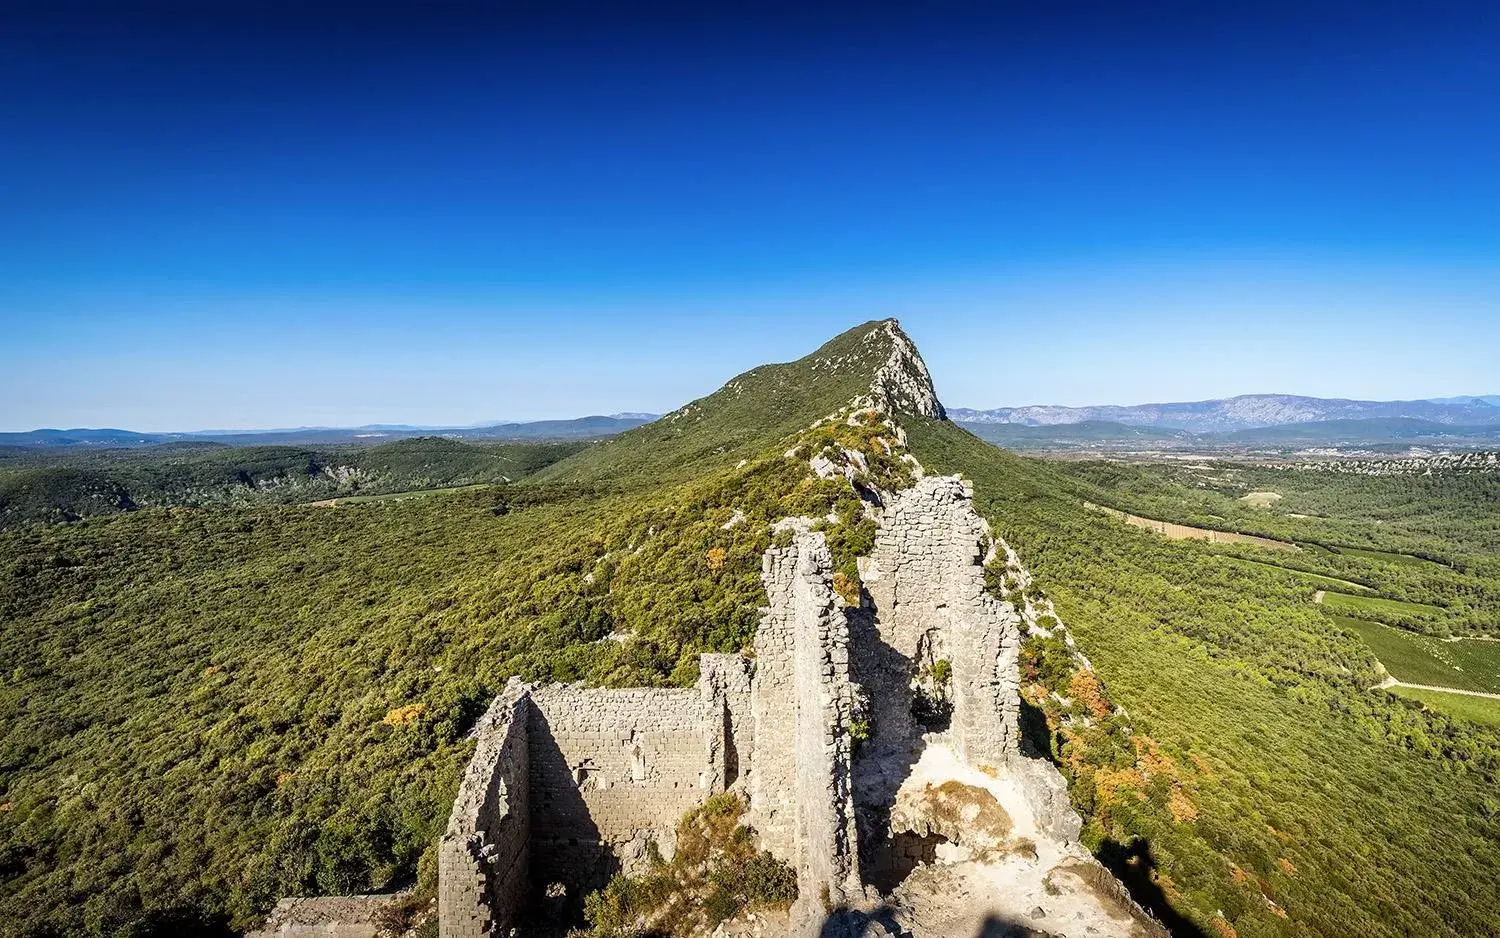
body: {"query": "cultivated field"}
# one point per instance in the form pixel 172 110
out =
pixel 1386 556
pixel 1188 532
pixel 394 496
pixel 1261 499
pixel 1354 605
pixel 1422 659
pixel 1478 709
pixel 1323 580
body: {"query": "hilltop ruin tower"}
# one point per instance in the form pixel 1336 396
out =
pixel 568 784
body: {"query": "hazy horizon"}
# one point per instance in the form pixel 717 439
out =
pixel 433 218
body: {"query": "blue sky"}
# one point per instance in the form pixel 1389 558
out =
pixel 252 215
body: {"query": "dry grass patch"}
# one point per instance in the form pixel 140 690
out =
pixel 1261 499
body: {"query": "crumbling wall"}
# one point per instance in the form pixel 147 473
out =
pixel 773 784
pixel 801 792
pixel 724 684
pixel 484 856
pixel 926 577
pixel 570 784
pixel 926 580
pixel 611 771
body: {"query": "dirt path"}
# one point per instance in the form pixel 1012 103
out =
pixel 1392 682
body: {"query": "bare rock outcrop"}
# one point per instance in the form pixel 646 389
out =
pixel 328 917
pixel 902 383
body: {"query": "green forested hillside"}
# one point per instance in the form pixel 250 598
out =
pixel 38 485
pixel 760 406
pixel 1353 811
pixel 204 709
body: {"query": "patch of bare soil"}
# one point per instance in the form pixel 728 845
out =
pixel 1261 499
pixel 1188 532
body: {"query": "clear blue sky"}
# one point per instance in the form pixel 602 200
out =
pixel 248 215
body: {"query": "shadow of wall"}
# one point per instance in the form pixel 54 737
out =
pixel 882 923
pixel 1132 865
pixel 886 759
pixel 566 845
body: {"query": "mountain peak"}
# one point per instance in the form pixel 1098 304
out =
pixel 875 364
pixel 903 384
pixel 899 379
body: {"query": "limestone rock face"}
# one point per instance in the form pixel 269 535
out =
pixel 903 384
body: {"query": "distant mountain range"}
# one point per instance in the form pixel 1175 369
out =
pixel 1246 412
pixel 575 429
pixel 1483 399
pixel 1377 433
pixel 1247 419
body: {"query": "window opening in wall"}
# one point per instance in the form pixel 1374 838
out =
pixel 586 775
pixel 932 684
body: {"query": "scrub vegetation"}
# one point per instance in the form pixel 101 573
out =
pixel 45 485
pixel 716 873
pixel 207 707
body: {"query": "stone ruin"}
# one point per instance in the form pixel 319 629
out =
pixel 569 785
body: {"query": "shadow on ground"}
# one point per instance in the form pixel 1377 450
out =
pixel 1036 736
pixel 880 923
pixel 1132 864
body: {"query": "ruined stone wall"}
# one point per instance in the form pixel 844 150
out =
pixel 570 784
pixel 724 684
pixel 801 791
pixel 484 856
pixel 773 805
pixel 612 770
pixel 926 580
pixel 926 577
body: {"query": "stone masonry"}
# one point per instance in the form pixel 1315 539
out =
pixel 926 580
pixel 801 795
pixel 569 785
pixel 484 858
